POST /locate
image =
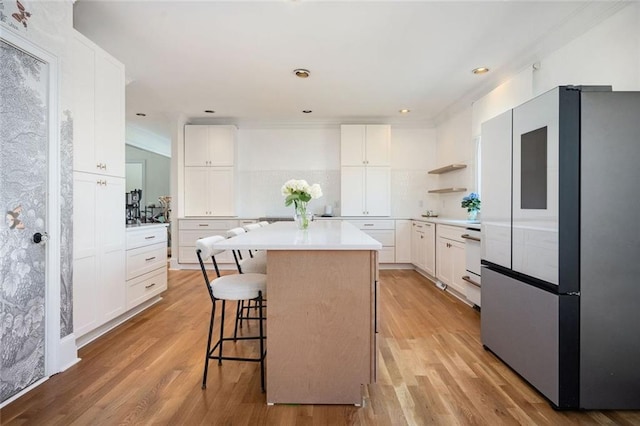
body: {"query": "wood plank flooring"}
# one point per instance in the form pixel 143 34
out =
pixel 432 370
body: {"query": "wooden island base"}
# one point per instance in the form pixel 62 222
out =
pixel 321 346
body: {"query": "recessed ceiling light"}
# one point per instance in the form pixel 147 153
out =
pixel 307 111
pixel 302 73
pixel 209 111
pixel 480 70
pixel 141 114
pixel 405 111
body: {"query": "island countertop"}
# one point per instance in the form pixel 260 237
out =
pixel 321 235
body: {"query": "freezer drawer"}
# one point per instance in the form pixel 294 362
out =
pixel 520 325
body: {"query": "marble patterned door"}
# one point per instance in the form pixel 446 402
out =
pixel 24 141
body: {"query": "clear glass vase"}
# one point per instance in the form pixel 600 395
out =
pixel 302 218
pixel 472 214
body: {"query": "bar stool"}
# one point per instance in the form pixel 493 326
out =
pixel 252 227
pixel 236 287
pixel 252 264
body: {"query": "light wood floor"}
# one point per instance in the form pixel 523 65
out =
pixel 432 370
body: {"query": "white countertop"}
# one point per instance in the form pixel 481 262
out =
pixel 146 226
pixel 321 235
pixel 453 222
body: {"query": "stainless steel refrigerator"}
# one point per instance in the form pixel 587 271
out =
pixel 561 245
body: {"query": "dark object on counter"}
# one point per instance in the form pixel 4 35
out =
pixel 132 203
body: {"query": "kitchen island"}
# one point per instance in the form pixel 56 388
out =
pixel 321 318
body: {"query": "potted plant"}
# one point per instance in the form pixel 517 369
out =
pixel 472 203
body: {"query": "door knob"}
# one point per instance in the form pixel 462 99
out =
pixel 39 238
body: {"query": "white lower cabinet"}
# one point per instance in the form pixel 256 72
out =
pixel 191 230
pixel 403 241
pixel 383 231
pixel 450 257
pixel 423 246
pixel 146 263
pixel 99 250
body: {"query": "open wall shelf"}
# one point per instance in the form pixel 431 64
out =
pixel 446 190
pixel 446 169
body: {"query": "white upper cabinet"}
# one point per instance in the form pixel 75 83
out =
pixel 99 109
pixel 209 146
pixel 366 191
pixel 209 191
pixel 209 172
pixel 366 174
pixel 365 145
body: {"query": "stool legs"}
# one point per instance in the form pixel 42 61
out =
pixel 221 333
pixel 262 353
pixel 218 346
pixel 206 356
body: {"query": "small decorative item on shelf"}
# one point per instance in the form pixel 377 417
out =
pixel 472 203
pixel 299 193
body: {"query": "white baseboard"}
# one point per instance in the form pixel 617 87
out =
pixel 23 391
pixel 94 334
pixel 395 266
pixel 68 353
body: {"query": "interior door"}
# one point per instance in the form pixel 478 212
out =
pixel 24 143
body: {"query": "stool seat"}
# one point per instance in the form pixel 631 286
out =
pixel 239 287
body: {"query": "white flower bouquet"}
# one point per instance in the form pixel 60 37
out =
pixel 298 192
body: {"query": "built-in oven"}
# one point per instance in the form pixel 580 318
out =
pixel 472 278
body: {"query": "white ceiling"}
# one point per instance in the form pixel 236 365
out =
pixel 367 60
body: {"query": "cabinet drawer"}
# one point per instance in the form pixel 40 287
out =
pixel 386 237
pixel 146 259
pixel 145 287
pixel 374 224
pixel 189 238
pixel 451 232
pixel 422 226
pixel 387 255
pixel 143 237
pixel 220 225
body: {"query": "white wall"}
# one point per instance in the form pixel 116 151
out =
pixel 268 157
pixel 413 153
pixel 454 145
pixel 149 141
pixel 608 54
